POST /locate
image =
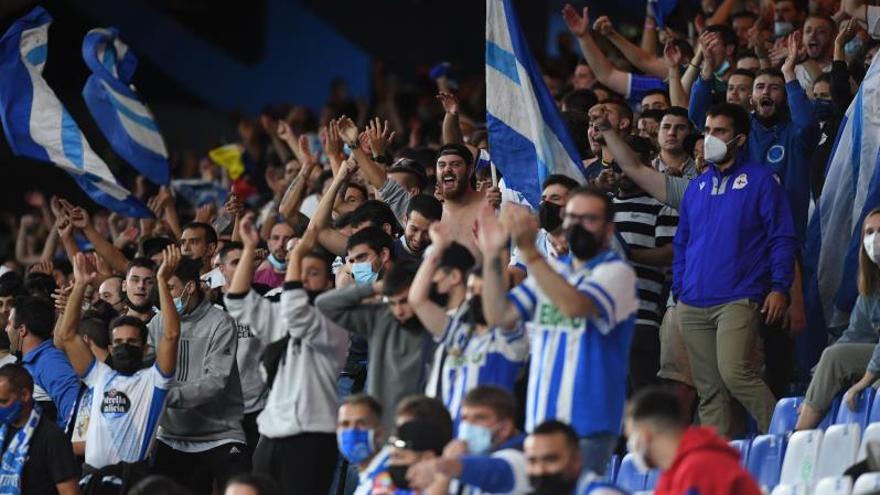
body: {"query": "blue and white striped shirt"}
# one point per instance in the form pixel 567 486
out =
pixel 579 366
pixel 464 360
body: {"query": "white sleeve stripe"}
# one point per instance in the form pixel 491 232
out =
pixel 604 315
pixel 611 304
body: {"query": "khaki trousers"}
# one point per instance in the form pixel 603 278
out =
pixel 841 365
pixel 724 346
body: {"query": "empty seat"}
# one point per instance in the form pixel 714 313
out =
pixel 872 434
pixel 831 415
pixel 743 447
pixel 651 479
pixel 863 408
pixel 785 415
pixel 801 456
pixel 874 414
pixel 788 489
pixel 840 447
pixel 834 485
pixel 765 459
pixel 867 484
pixel 612 467
pixel 628 476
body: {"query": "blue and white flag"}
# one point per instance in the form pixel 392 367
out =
pixel 851 190
pixel 527 136
pixel 117 108
pixel 38 126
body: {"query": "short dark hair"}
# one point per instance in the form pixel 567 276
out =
pixel 825 18
pixel 736 113
pixel 18 377
pixel 399 277
pixel 500 401
pixel 687 51
pixel 728 35
pixel 456 149
pixel 652 114
pixel 425 408
pixel 375 239
pixel 39 284
pixel 152 246
pixel 677 112
pixel 35 312
pixel 742 72
pixel 360 187
pixel 262 484
pixel 556 427
pixel 642 147
pixel 141 262
pixel 770 71
pixel 658 406
pixel 456 257
pixel 366 400
pixel 578 125
pixel 825 77
pixel 188 270
pixel 690 142
pixel 210 233
pixel 130 321
pixel 95 323
pixel 376 212
pixel 426 205
pixel 623 109
pixel 656 91
pixel 11 285
pixel 560 180
pixel 228 247
pixel 595 192
pixel 741 14
pixel 579 100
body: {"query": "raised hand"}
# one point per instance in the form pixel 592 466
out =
pixel 285 133
pixel 170 260
pixel 348 131
pixel 522 225
pixel 333 145
pixel 205 213
pixel 449 102
pixel 603 26
pixel 578 24
pixel 84 270
pixel 233 205
pixel 305 244
pixel 846 33
pixel 491 235
pixel 60 297
pixel 44 267
pixel 599 118
pixel 493 196
pixel 128 235
pixel 56 206
pixel 379 136
pixel 80 218
pixel 672 56
pixel 793 55
pixel 439 234
pixel 250 237
pixel 64 225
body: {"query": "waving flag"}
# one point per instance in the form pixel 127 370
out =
pixel 38 126
pixel 117 108
pixel 661 10
pixel 527 136
pixel 852 189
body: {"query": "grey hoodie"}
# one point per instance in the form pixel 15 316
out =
pixel 205 403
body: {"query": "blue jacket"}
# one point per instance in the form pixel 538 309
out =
pixel 52 372
pixel 785 147
pixel 735 239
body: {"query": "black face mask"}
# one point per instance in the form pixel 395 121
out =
pixel 552 484
pixel 581 242
pixel 312 295
pixel 438 298
pixel 398 477
pixel 475 310
pixel 138 308
pixel 412 324
pixel 127 358
pixel 550 215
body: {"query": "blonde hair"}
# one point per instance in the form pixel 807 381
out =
pixel 869 272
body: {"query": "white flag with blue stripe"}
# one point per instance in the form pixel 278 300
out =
pixel 38 126
pixel 117 107
pixel 851 190
pixel 527 136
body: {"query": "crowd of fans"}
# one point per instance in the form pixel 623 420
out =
pixel 371 310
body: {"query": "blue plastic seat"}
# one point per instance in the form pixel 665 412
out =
pixel 628 476
pixel 651 479
pixel 831 415
pixel 743 446
pixel 863 410
pixel 874 415
pixel 785 415
pixel 765 459
pixel 611 468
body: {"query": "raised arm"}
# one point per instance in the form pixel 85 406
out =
pixel 375 173
pixel 66 337
pixel 641 59
pixel 296 190
pixel 451 132
pixel 858 11
pixel 647 178
pixel 722 13
pixel 105 249
pixel 328 237
pixel 166 355
pixel 244 271
pixel 672 59
pixel 802 109
pixel 615 79
pixel 432 315
pixel 492 239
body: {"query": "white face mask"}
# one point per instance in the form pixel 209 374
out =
pixel 872 247
pixel 714 149
pixel 638 451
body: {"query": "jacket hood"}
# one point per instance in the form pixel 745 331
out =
pixel 700 440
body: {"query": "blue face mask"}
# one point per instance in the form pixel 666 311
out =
pixel 180 304
pixel 478 438
pixel 10 413
pixel 277 265
pixel 363 273
pixel 824 109
pixel 355 445
pixel 724 67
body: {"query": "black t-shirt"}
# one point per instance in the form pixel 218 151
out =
pixel 50 459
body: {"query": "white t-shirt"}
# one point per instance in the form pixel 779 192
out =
pixel 125 413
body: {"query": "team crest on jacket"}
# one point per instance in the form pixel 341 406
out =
pixel 742 180
pixel 776 153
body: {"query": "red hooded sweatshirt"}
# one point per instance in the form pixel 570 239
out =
pixel 705 465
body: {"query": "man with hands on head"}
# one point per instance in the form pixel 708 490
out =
pixel 580 313
pixel 128 399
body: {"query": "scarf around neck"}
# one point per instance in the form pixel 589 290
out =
pixel 12 462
